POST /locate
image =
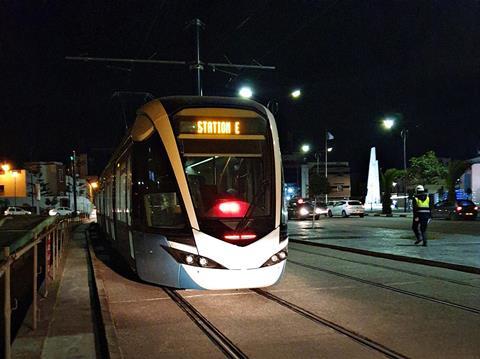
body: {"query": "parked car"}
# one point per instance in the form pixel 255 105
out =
pixel 302 208
pixel 346 208
pixel 60 211
pixel 13 211
pixel 465 209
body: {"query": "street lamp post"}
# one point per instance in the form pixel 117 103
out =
pixel 388 123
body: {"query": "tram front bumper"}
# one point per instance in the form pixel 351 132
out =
pixel 214 279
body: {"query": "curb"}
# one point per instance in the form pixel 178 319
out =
pixel 397 257
pixel 107 324
pixel 387 215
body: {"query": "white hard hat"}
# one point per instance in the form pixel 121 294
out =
pixel 420 188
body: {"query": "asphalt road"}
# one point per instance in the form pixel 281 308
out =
pixel 344 306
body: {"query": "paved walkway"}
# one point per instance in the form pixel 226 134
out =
pixel 65 328
pixel 455 249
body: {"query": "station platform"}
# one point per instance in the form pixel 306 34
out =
pixel 66 327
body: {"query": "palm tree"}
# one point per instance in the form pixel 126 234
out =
pixel 387 179
pixel 454 171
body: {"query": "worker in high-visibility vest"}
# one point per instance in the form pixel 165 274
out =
pixel 421 215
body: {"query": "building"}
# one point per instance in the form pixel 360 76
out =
pixel 13 187
pixel 297 169
pixel 470 181
pixel 50 176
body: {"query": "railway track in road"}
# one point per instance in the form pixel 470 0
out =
pixel 389 353
pixel 232 351
pixel 216 336
pixel 429 276
pixel 387 287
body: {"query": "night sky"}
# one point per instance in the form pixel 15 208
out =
pixel 354 61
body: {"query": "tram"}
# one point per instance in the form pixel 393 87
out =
pixel 193 196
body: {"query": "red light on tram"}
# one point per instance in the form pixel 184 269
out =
pixel 300 201
pixel 245 236
pixel 229 208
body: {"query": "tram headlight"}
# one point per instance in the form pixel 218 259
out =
pixel 203 262
pixel 192 259
pixel 189 259
pixel 276 258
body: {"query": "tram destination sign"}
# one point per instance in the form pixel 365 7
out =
pixel 222 127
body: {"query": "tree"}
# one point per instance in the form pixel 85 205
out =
pixel 387 178
pixel 455 170
pixel 318 185
pixel 426 169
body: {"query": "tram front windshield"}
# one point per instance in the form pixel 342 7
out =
pixel 229 169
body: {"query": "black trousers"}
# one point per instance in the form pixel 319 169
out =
pixel 420 227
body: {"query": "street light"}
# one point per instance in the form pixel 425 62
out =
pixel 296 93
pixel 245 92
pixel 5 167
pixel 388 123
pixel 305 148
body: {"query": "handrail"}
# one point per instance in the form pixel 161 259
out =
pixel 54 237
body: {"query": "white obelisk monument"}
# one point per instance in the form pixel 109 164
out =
pixel 373 185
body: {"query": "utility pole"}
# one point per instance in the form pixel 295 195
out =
pixel 404 134
pixel 74 176
pixel 326 165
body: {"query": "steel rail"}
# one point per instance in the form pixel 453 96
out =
pixel 388 267
pixel 215 335
pixel 389 353
pixel 387 287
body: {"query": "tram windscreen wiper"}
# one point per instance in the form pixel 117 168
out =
pixel 243 222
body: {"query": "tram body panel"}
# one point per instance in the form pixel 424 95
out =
pixel 234 257
pixel 215 279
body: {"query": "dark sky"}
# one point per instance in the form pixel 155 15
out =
pixel 354 61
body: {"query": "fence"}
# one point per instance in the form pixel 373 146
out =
pixel 52 240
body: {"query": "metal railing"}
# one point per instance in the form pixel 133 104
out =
pixel 54 239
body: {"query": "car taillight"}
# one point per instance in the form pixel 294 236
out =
pixel 459 209
pixel 475 208
pixel 229 208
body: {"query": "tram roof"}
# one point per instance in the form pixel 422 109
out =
pixel 176 103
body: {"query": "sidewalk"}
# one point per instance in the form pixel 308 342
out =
pixel 65 327
pixel 453 251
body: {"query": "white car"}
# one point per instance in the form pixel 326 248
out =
pixel 15 211
pixel 346 208
pixel 60 211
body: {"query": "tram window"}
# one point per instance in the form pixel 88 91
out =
pixel 163 210
pixel 155 187
pixel 218 178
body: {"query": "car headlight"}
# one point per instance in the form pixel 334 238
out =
pixel 318 210
pixel 303 211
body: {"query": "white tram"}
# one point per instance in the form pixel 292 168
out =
pixel 192 198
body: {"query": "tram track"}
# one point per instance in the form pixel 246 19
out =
pixel 363 340
pixel 387 287
pixel 216 336
pixel 387 267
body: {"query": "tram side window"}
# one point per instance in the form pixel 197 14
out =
pixel 163 210
pixel 158 191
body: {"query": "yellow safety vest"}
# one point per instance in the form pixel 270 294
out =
pixel 423 206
